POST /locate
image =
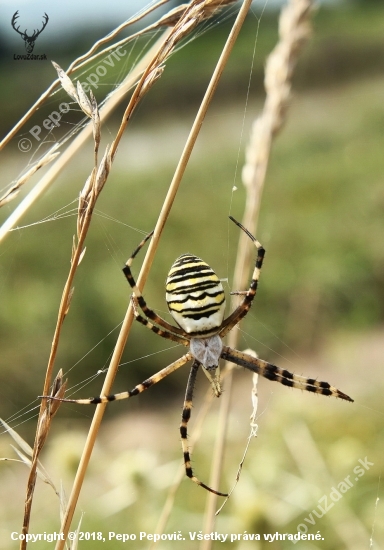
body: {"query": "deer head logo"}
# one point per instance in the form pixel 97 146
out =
pixel 29 40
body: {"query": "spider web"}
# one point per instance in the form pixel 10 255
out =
pixel 106 82
pixel 113 237
pixel 57 124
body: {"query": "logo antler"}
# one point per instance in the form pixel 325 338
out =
pixel 29 40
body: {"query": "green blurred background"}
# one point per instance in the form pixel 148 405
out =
pixel 319 311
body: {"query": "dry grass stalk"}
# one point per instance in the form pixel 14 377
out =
pixel 47 412
pixel 85 59
pixel 194 13
pixel 167 20
pixel 47 409
pixel 87 201
pixel 189 18
pixel 84 103
pixel 78 142
pixel 294 31
pixel 252 434
pixel 24 451
pixel 185 18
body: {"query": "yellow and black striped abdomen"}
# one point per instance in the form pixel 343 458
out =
pixel 195 296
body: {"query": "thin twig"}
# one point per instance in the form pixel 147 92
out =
pixel 252 434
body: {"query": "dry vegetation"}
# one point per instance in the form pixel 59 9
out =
pixel 141 476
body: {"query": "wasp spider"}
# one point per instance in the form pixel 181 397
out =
pixel 196 300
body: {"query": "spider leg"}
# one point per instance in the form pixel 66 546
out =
pixel 140 299
pixel 272 372
pixel 185 416
pixel 163 333
pixel 243 308
pixel 154 379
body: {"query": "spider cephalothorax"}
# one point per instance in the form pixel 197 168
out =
pixel 196 300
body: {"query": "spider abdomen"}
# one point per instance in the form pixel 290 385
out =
pixel 195 295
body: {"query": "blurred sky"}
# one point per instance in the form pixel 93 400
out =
pixel 64 15
pixel 71 15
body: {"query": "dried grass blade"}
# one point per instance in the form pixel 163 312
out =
pixel 16 437
pixel 75 543
pixel 66 82
pixel 41 471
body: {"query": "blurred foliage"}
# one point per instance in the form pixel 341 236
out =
pixel 306 447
